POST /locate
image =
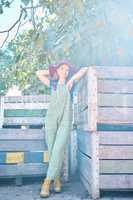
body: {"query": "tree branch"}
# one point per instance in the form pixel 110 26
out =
pixel 8 30
pixel 19 21
pixel 5 40
pixel 32 15
pixel 23 9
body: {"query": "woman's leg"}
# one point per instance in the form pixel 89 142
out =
pixel 50 133
pixel 61 140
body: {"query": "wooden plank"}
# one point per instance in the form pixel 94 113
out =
pixel 73 152
pixel 85 183
pixel 21 134
pixel 23 157
pixel 29 106
pixel 83 119
pixel 122 181
pixel 23 120
pixel 87 95
pixel 119 100
pixel 115 115
pixel 117 72
pixel 89 186
pixel 115 152
pixel 95 164
pixel 75 108
pixel 83 93
pixel 25 113
pixel 84 142
pixel 116 137
pixel 115 86
pixel 23 169
pixel 82 126
pixel 45 156
pixel 116 166
pixel 92 99
pixel 27 98
pixel 84 165
pixel 15 157
pixel 1 111
pixel 22 145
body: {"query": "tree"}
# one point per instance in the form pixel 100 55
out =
pixel 55 35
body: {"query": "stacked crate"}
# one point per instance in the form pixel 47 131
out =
pixel 23 149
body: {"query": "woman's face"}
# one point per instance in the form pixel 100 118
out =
pixel 63 71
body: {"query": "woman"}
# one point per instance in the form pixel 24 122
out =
pixel 58 118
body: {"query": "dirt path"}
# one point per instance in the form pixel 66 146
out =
pixel 72 190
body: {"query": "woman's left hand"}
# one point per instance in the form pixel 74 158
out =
pixel 70 84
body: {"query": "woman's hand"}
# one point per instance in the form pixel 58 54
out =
pixel 70 84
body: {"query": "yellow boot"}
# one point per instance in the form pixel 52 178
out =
pixel 57 184
pixel 45 189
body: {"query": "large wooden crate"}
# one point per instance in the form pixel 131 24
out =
pixel 105 129
pixel 23 149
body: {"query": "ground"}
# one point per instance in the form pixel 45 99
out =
pixel 72 190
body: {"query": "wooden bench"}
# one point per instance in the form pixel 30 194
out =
pixel 105 129
pixel 23 149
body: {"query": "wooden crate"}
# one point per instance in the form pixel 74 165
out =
pixel 105 129
pixel 23 149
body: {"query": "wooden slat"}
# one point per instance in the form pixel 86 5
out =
pixel 115 152
pixel 22 145
pixel 1 111
pixel 115 115
pixel 82 118
pixel 118 72
pixel 23 169
pixel 84 165
pixel 84 142
pixel 82 126
pixel 116 166
pixel 73 152
pixel 116 137
pixel 115 86
pixel 21 134
pixel 27 98
pixel 87 95
pixel 28 106
pixel 23 157
pixel 116 181
pixel 95 164
pixel 83 93
pixel 85 183
pixel 23 120
pixel 120 100
pixel 92 99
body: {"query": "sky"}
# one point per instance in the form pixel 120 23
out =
pixel 8 18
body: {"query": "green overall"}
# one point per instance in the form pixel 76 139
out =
pixel 58 123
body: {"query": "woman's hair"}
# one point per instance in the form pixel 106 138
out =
pixel 53 69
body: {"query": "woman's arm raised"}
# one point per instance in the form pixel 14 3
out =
pixel 42 75
pixel 77 76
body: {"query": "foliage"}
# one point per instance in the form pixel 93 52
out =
pixel 56 35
